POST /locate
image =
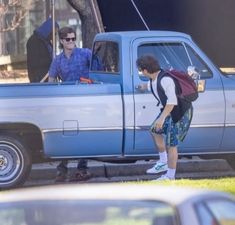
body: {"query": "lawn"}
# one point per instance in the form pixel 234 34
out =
pixel 220 184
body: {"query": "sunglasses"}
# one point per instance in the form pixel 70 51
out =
pixel 70 39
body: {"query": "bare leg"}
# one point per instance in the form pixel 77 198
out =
pixel 161 164
pixel 172 157
pixel 172 162
pixel 159 142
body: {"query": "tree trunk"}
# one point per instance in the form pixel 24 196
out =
pixel 89 13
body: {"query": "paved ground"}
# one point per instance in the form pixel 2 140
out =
pixel 108 172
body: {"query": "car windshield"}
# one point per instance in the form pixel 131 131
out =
pixel 87 212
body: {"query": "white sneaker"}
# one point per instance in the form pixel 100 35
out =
pixel 164 177
pixel 158 168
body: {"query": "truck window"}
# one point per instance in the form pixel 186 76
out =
pixel 175 56
pixel 105 57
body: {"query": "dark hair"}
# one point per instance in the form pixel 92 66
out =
pixel 64 31
pixel 149 63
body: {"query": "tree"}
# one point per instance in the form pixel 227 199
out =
pixel 89 13
pixel 19 14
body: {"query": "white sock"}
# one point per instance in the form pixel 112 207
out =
pixel 171 173
pixel 163 156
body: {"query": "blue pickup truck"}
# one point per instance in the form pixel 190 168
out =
pixel 109 119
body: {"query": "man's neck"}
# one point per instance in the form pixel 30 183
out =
pixel 68 52
pixel 155 75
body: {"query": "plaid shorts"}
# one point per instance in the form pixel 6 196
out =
pixel 174 132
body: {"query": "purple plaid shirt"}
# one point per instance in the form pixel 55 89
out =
pixel 73 68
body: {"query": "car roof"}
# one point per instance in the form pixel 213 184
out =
pixel 170 194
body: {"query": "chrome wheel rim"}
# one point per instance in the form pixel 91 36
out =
pixel 11 162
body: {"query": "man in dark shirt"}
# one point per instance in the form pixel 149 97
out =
pixel 39 51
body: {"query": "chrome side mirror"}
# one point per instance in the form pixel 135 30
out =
pixel 194 73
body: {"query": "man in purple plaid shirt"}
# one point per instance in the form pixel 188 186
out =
pixel 73 62
pixel 70 65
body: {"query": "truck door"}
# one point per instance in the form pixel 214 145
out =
pixel 229 91
pixel 207 126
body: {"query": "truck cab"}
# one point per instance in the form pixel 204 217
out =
pixel 212 124
pixel 109 119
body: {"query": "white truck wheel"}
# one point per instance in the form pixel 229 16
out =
pixel 15 162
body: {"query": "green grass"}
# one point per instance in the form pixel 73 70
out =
pixel 220 184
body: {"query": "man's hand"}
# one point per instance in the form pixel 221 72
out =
pixel 159 123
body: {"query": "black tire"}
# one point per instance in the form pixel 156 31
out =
pixel 15 162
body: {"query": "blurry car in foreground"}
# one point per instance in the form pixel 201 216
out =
pixel 115 204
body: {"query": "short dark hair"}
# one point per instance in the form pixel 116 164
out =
pixel 64 31
pixel 149 63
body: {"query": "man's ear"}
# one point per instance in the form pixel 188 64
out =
pixel 144 71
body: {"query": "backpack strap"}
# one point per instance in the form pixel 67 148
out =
pixel 168 73
pixel 151 87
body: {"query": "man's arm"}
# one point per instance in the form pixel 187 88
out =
pixel 53 71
